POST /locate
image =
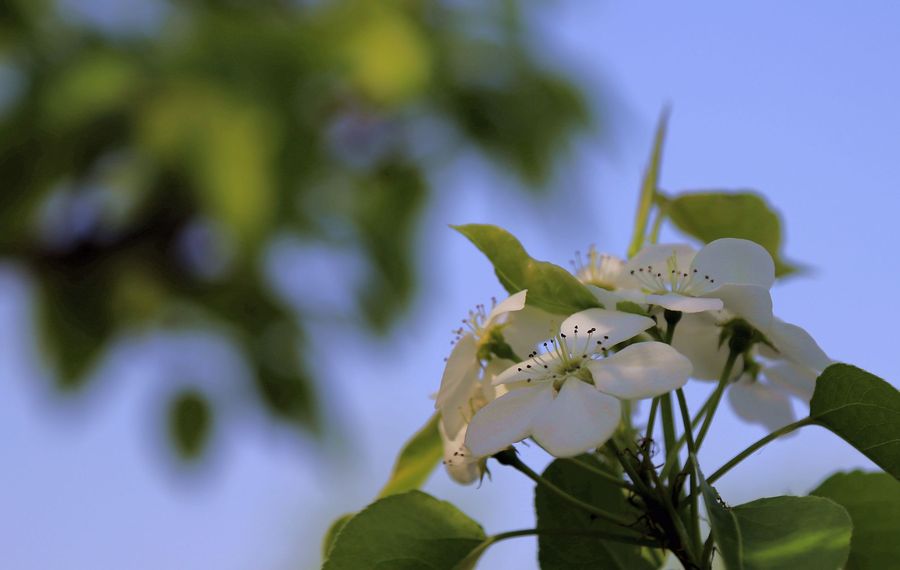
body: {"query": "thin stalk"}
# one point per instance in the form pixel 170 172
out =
pixel 601 473
pixel 517 464
pixel 652 419
pixel 692 462
pixel 475 554
pixel 717 397
pixel 753 448
pixel 668 423
pixel 706 557
pixel 639 483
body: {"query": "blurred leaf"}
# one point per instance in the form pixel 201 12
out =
pixel 412 530
pixel 862 409
pixel 649 186
pixel 416 460
pixel 386 210
pixel 190 423
pixel 228 147
pixel 384 52
pixel 579 552
pixel 74 321
pixel 523 117
pixel 780 533
pixel 709 216
pixel 873 501
pixel 550 287
pixel 97 83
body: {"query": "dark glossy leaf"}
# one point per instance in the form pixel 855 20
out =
pixel 416 460
pixel 873 501
pixel 709 216
pixel 550 287
pixel 779 533
pixel 863 409
pixel 410 530
pixel 573 552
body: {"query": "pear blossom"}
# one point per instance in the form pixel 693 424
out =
pixel 568 398
pixel 765 379
pixel 604 274
pixel 726 273
pixel 466 383
pixel 463 369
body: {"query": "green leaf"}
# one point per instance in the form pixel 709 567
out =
pixel 862 409
pixel 411 530
pixel 709 216
pixel 332 532
pixel 724 527
pixel 873 501
pixel 550 287
pixel 417 460
pixel 779 533
pixel 649 186
pixel 190 423
pixel 573 552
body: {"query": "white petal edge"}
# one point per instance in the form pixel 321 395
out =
pixel 612 327
pixel 761 404
pixel 515 302
pixel 685 304
pixel 797 345
pixel 752 302
pixel 458 460
pixel 458 383
pixel 579 419
pixel 641 370
pixel 731 260
pixel 507 419
pixel 658 256
pixel 796 379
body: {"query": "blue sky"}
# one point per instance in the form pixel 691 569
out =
pixel 796 100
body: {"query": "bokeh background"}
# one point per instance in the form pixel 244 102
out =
pixel 227 281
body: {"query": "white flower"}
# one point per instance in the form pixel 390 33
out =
pixel 466 383
pixel 600 269
pixel 568 399
pixel 761 392
pixel 727 273
pixel 461 374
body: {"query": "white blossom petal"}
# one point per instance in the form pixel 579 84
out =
pixel 459 462
pixel 658 257
pixel 611 299
pixel 641 370
pixel 752 302
pixel 578 419
pixel 685 304
pixel 532 369
pixel 526 328
pixel 697 338
pixel 507 419
pixel 731 260
pixel 512 303
pixel 794 378
pixel 797 345
pixel 612 327
pixel 761 403
pixel 458 383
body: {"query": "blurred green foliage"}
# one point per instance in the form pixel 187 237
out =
pixel 239 121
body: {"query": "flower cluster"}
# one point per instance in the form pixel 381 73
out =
pixel 668 314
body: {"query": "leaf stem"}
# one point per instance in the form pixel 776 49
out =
pixel 716 397
pixel 601 473
pixel 473 556
pixel 760 443
pixel 692 463
pixel 517 464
